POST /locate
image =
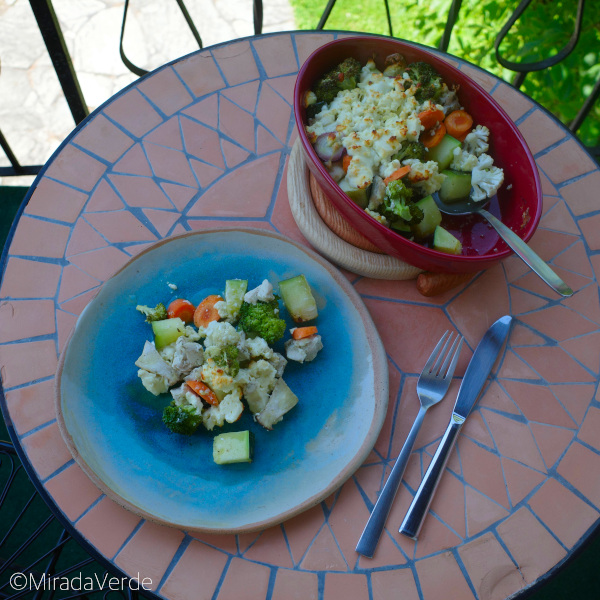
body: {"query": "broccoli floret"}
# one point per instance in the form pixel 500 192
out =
pixel 262 319
pixel 429 83
pixel 395 64
pixel 344 77
pixel 348 73
pixel 181 419
pixel 410 149
pixel 326 90
pixel 398 203
pixel 225 357
pixel 153 314
pixel 416 213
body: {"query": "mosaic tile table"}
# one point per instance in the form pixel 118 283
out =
pixel 204 142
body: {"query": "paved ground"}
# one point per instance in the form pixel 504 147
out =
pixel 33 114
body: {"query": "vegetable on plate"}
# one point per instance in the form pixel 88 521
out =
pixel 298 299
pixel 233 447
pixel 223 357
pixel 182 309
pixel 206 312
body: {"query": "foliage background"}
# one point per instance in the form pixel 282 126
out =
pixel 543 29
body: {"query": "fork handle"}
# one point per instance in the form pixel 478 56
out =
pixel 372 532
pixel 420 505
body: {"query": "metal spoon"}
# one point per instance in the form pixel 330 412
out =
pixel 520 248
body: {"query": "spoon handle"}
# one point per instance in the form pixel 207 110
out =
pixel 528 255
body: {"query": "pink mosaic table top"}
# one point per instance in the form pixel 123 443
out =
pixel 204 142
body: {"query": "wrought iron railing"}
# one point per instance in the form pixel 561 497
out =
pixel 49 26
pixel 39 560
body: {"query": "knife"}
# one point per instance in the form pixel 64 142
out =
pixel 473 381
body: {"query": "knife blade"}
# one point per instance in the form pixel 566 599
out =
pixel 474 379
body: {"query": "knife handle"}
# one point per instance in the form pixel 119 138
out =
pixel 420 505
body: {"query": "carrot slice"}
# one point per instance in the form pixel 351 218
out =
pixel 397 174
pixel 182 309
pixel 432 137
pixel 206 312
pixel 431 117
pixel 458 124
pixel 203 391
pixel 346 162
pixel 299 333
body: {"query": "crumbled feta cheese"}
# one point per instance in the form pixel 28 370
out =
pixel 262 293
pixel 257 347
pixel 425 176
pixel 303 350
pixel 229 409
pixel 216 378
pixel 172 286
pixel 372 120
pixel 226 312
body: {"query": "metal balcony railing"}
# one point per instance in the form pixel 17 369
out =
pixel 50 28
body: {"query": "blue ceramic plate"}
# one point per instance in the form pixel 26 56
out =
pixel 113 426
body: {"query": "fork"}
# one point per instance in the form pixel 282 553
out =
pixel 432 386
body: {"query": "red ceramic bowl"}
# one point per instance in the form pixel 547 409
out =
pixel 519 200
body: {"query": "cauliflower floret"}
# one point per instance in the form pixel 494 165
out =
pixel 485 178
pixel 477 141
pixel 425 176
pixel 463 160
pixel 221 334
pixel 154 383
pixel 223 309
pixel 303 350
pixel 261 377
pixel 258 347
pixel 262 293
pixel 229 409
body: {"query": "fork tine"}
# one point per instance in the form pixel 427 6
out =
pixel 437 369
pixel 454 353
pixel 437 352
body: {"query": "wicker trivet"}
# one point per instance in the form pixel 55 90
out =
pixel 331 235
